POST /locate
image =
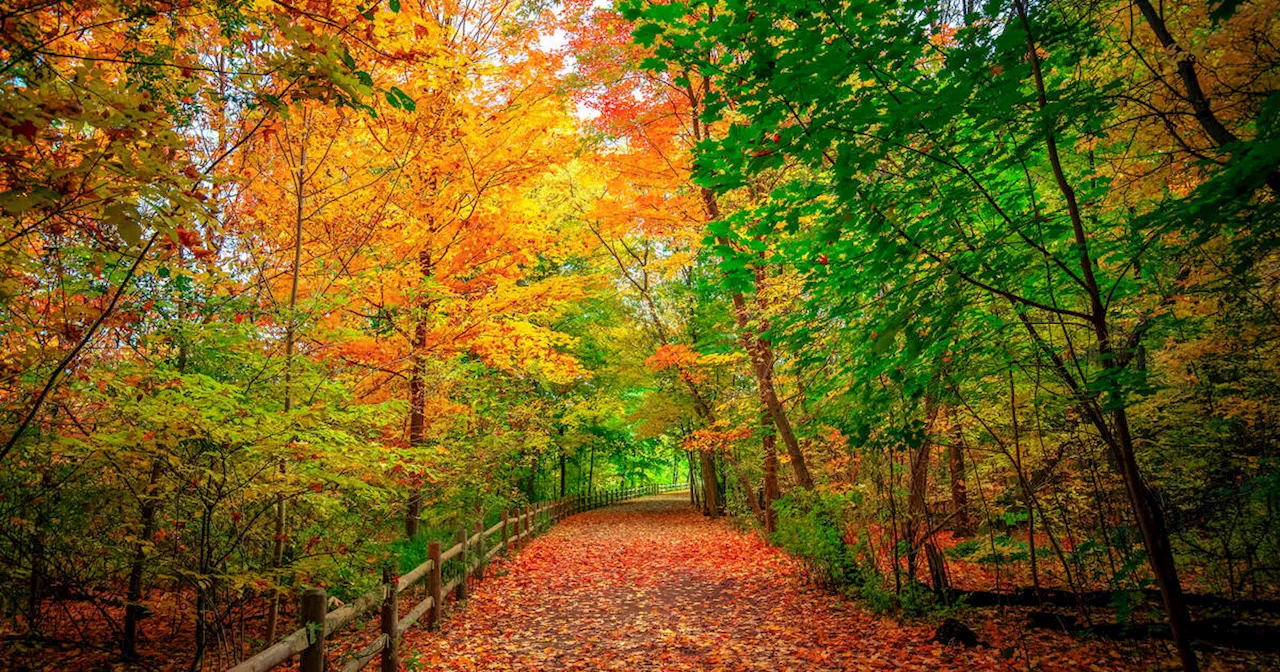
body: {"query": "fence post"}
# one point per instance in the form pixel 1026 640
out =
pixel 433 585
pixel 461 591
pixel 506 515
pixel 480 550
pixel 312 612
pixel 391 653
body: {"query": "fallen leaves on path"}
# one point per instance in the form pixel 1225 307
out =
pixel 652 585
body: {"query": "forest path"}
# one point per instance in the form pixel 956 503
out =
pixel 650 584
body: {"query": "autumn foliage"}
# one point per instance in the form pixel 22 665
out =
pixel 945 305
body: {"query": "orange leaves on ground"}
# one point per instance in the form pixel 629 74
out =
pixel 652 585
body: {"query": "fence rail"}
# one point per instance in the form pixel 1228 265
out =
pixel 308 642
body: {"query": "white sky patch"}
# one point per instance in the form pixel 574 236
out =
pixel 585 112
pixel 554 41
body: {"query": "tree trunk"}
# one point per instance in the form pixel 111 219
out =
pixel 562 466
pixel 1027 495
pixel 955 459
pixel 133 610
pixel 417 427
pixel 693 491
pixel 591 471
pixel 762 365
pixel 769 444
pixel 761 353
pixel 747 490
pixel 35 586
pixel 533 476
pixel 418 394
pixel 760 350
pixel 918 532
pixel 710 490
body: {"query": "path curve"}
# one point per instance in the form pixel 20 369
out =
pixel 652 585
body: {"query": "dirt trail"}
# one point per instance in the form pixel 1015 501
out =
pixel 651 585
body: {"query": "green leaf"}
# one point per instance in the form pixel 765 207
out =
pixel 405 102
pixel 666 12
pixel 124 216
pixel 653 64
pixel 646 34
pixel 395 6
pixel 130 232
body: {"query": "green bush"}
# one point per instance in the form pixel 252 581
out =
pixel 810 527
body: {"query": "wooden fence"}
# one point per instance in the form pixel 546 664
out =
pixel 471 552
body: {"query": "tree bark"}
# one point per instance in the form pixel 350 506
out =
pixel 955 462
pixel 769 445
pixel 917 525
pixel 562 471
pixel 761 353
pixel 133 610
pixel 710 488
pixel 747 490
pixel 533 477
pixel 418 394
